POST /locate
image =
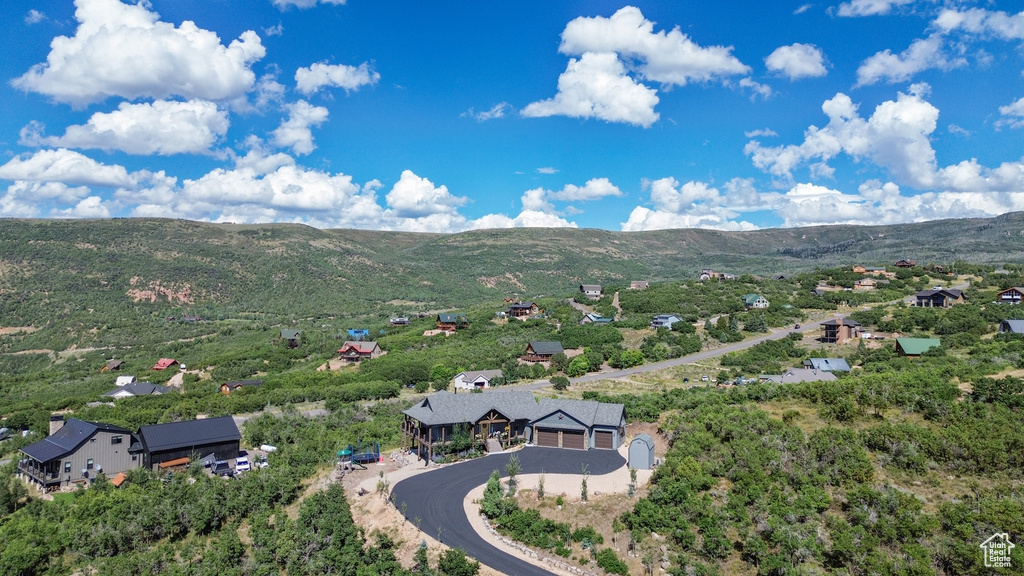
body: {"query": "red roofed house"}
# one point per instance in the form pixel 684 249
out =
pixel 164 363
pixel 353 351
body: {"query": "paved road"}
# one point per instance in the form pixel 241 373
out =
pixel 437 497
pixel 775 334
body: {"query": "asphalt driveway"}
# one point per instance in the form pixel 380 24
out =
pixel 437 497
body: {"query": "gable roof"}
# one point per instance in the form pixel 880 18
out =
pixel 1012 326
pixel 138 389
pixel 164 363
pixel 828 364
pixel 488 375
pixel 71 435
pixel 451 318
pixel 544 347
pixel 361 347
pixel 521 306
pixel 590 287
pixel 175 435
pixel 751 298
pixel 289 334
pixel 114 364
pixel 949 292
pixel 587 412
pixel 917 346
pixel 446 408
pixel 667 318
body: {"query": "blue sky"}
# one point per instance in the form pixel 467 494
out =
pixel 451 116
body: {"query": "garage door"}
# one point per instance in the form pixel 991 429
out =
pixel 547 438
pixel 603 439
pixel 576 440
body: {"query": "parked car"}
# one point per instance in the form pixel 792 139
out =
pixel 242 464
pixel 222 468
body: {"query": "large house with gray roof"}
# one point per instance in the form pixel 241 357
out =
pixel 78 451
pixel 514 414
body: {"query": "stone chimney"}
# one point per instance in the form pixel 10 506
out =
pixel 56 423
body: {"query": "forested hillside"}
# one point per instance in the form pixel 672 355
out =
pixel 902 466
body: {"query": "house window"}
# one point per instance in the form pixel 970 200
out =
pixel 88 464
pixel 67 467
pixel 115 439
pixel 135 457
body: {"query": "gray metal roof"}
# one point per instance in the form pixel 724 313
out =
pixel 1012 326
pixel 139 389
pixel 802 375
pixel 447 408
pixel 474 374
pixel 175 435
pixel 828 364
pixel 67 439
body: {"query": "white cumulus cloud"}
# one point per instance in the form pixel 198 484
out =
pixel 295 132
pixel 870 7
pixel 124 50
pixel 162 127
pixel 66 166
pixel 1012 114
pixel 666 57
pixel 415 197
pixel 797 61
pixel 896 137
pixel 320 74
pixel 694 205
pixel 594 189
pixel 982 22
pixel 596 86
pixel 923 54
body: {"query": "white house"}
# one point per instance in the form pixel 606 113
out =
pixel 475 379
pixel 125 380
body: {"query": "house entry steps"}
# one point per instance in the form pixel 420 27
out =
pixel 494 446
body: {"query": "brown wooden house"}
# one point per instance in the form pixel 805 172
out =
pixel 449 322
pixel 523 310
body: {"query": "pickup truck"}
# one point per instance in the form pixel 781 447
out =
pixel 242 464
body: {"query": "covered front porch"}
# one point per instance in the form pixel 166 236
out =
pixel 428 441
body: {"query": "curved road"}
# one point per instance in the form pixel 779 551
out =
pixel 436 498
